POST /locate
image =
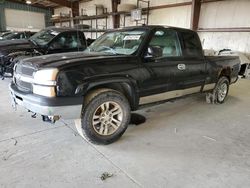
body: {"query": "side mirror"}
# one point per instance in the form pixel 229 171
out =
pixel 154 51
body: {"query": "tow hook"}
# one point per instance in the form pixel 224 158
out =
pixel 50 119
pixel 33 115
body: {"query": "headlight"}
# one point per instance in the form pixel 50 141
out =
pixel 45 77
pixel 44 82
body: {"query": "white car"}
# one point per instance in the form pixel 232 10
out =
pixel 244 60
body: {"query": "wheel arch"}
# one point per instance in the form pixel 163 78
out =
pixel 123 85
pixel 226 72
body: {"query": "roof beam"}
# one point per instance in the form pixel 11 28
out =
pixel 195 14
pixel 75 11
pixel 116 18
pixel 33 5
pixel 64 3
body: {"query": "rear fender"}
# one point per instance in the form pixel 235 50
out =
pixel 225 72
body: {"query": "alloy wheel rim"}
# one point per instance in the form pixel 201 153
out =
pixel 107 118
pixel 222 92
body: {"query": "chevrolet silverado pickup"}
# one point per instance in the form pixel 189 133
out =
pixel 48 41
pixel 119 72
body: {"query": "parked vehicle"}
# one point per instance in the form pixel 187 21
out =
pixel 17 35
pixel 47 41
pixel 244 60
pixel 4 34
pixel 120 71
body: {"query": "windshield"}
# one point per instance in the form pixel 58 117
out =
pixel 119 42
pixel 43 37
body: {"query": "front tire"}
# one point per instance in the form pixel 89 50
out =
pixel 105 116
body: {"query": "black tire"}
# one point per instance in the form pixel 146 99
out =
pixel 222 81
pixel 92 105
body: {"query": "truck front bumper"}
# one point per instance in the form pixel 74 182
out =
pixel 65 107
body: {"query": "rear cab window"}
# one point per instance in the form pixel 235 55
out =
pixel 191 45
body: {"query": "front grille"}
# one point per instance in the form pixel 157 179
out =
pixel 24 70
pixel 27 71
pixel 23 86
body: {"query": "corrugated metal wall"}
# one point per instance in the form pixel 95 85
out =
pixel 226 14
pixel 20 6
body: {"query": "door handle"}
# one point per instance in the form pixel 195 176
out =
pixel 181 66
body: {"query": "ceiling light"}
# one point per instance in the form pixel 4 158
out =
pixel 28 2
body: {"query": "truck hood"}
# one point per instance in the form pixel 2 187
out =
pixel 67 59
pixel 8 46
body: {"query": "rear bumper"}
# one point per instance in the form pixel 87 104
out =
pixel 65 107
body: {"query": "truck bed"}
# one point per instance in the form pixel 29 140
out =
pixel 230 63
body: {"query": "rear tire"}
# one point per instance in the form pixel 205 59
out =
pixel 222 88
pixel 105 116
pixel 220 92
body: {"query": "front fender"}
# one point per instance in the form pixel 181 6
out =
pixel 123 83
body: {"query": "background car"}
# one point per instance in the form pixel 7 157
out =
pixel 17 35
pixel 4 34
pixel 47 41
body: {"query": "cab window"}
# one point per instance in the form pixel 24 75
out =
pixel 165 43
pixel 68 41
pixel 191 44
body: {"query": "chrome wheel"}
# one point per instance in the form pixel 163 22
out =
pixel 107 118
pixel 222 92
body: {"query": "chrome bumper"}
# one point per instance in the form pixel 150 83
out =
pixel 46 106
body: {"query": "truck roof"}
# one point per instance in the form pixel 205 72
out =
pixel 60 29
pixel 150 27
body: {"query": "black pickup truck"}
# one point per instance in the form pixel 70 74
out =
pixel 48 41
pixel 120 71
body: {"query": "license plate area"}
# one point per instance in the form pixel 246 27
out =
pixel 18 98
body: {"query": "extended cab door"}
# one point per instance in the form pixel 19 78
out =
pixel 176 63
pixel 193 59
pixel 162 59
pixel 67 42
